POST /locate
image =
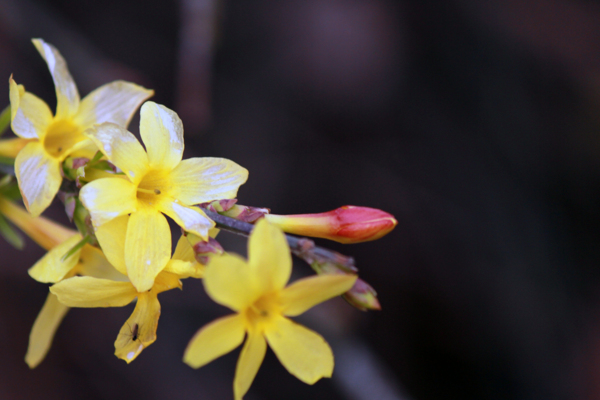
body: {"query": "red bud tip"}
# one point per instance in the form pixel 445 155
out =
pixel 347 224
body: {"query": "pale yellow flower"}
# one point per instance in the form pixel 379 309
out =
pixel 159 182
pixel 139 331
pixel 54 137
pixel 256 291
pixel 52 268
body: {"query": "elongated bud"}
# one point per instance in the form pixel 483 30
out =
pixel 11 147
pixel 347 224
pixel 44 232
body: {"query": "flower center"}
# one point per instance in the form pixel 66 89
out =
pixel 60 137
pixel 153 187
pixel 263 310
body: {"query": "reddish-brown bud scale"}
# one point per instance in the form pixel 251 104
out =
pixel 347 224
pixel 203 250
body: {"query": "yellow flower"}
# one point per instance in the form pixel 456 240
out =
pixel 158 182
pixel 139 331
pixel 52 268
pixel 37 165
pixel 256 291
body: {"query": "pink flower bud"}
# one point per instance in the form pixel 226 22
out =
pixel 347 224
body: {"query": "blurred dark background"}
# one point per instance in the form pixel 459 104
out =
pixel 475 123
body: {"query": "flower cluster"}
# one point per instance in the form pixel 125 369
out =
pixel 119 194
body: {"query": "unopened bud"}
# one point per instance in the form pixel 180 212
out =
pixel 362 296
pixel 74 168
pixel 219 206
pixel 203 249
pixel 44 232
pixel 246 213
pixel 347 224
pixel 11 147
pixel 229 208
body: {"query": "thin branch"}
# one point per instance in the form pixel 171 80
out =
pixel 301 247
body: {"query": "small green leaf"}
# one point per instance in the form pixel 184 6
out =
pixel 10 234
pixel 4 120
pixel 78 246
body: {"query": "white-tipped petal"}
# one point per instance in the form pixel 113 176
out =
pixel 162 134
pixel 30 116
pixel 39 177
pixel 114 102
pixel 67 96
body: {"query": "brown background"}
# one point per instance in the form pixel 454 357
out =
pixel 474 123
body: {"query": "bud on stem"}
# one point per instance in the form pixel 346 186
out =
pixel 347 224
pixel 203 249
pixel 229 208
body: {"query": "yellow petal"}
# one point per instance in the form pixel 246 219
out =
pixel 147 247
pixel 214 340
pixel 30 116
pixel 39 177
pixel 86 291
pixel 198 180
pixel 251 357
pixel 44 328
pixel 11 147
pixel 108 198
pixel 229 281
pixel 44 232
pixel 86 148
pixel 269 256
pixel 114 102
pixel 162 134
pixel 139 331
pixel 185 269
pixel 67 96
pixel 304 353
pixel 183 251
pixel 306 293
pixel 92 262
pixel 52 268
pixel 165 281
pixel 183 263
pixel 111 237
pixel 191 219
pixel 121 148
